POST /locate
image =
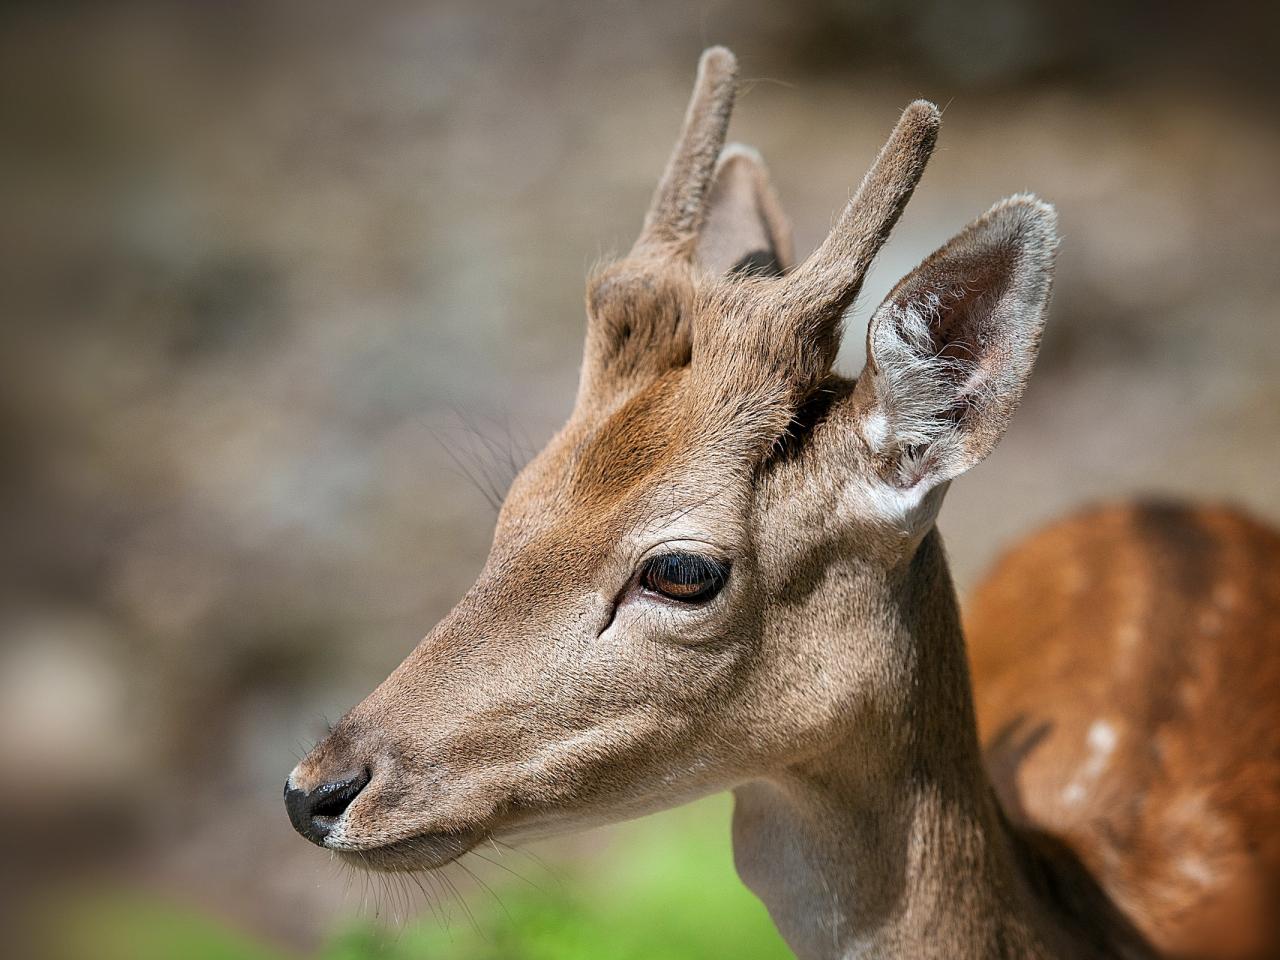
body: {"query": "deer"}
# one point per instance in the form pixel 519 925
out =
pixel 724 573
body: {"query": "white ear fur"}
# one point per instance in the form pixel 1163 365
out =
pixel 745 228
pixel 950 349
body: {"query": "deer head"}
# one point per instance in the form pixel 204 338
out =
pixel 687 586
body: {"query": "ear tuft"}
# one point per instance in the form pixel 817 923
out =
pixel 951 348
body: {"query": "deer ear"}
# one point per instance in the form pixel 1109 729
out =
pixel 745 229
pixel 950 349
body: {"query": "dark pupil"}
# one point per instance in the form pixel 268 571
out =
pixel 685 576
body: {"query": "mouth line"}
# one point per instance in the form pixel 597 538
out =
pixel 429 850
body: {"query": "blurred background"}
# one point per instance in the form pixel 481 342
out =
pixel 290 289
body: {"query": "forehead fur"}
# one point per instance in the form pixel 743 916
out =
pixel 692 378
pixel 643 438
pixel 665 450
pixel 638 329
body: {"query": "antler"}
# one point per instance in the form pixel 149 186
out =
pixel 650 312
pixel 786 331
pixel 679 202
pixel 819 291
pixel 637 324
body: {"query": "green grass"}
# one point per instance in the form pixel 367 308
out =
pixel 664 889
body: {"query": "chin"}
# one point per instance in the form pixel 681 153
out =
pixel 427 851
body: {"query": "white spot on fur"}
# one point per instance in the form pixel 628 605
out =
pixel 1101 740
pixel 1195 868
pixel 875 429
pixel 1072 794
pixel 882 499
pixel 912 509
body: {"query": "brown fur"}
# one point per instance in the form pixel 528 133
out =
pixel 1163 623
pixel 826 684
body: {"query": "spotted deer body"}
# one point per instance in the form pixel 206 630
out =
pixel 1156 757
pixel 723 573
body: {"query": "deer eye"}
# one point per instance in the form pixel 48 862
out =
pixel 687 577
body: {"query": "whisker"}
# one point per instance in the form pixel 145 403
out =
pixel 461 901
pixel 483 487
pixel 366 883
pixel 476 878
pixel 349 874
pixel 441 895
pixel 401 891
pixel 503 866
pixel 430 901
pixel 497 466
pixel 546 867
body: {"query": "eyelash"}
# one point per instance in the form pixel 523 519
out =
pixel 669 574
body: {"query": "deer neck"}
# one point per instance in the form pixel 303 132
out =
pixel 909 857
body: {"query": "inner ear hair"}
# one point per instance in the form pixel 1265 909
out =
pixel 950 349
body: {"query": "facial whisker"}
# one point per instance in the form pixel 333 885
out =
pixel 461 901
pixel 533 857
pixel 499 453
pixel 479 882
pixel 504 867
pixel 470 476
pixel 427 898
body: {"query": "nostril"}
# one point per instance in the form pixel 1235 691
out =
pixel 332 799
pixel 314 813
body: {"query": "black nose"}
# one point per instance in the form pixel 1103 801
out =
pixel 313 814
